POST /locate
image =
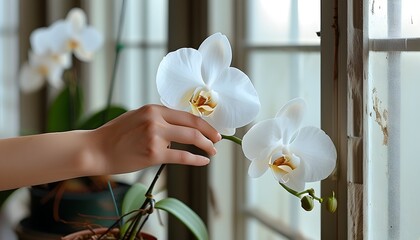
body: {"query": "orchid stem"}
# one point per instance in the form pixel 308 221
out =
pixel 137 224
pixel 309 191
pixel 233 139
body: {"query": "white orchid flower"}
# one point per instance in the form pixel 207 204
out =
pixel 295 155
pixel 69 35
pixel 41 68
pixel 203 83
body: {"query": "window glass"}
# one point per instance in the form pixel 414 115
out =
pixel 408 22
pixel 144 37
pixel 283 22
pixel 9 108
pixel 392 125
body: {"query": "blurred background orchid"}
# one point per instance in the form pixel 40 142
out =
pixel 52 49
pixel 52 64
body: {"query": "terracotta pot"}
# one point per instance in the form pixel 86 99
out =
pixel 89 234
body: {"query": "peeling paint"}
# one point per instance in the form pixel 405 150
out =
pixel 380 118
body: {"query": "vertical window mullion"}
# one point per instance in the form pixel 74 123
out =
pixel 394 100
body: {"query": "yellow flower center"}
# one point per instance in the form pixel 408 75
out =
pixel 202 103
pixel 42 70
pixel 283 165
pixel 73 44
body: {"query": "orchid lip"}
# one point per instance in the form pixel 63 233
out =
pixel 283 164
pixel 203 102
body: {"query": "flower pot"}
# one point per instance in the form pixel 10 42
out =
pixel 76 210
pixel 90 234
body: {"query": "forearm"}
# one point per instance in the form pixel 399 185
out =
pixel 45 158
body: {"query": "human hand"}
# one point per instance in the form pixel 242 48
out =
pixel 142 138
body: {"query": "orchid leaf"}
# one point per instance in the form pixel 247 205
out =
pixel 134 196
pixel 187 216
pixel 133 199
pixel 99 118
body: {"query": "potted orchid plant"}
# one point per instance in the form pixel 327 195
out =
pixel 201 81
pixel 54 49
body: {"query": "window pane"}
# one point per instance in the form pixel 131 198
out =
pixel 280 76
pixel 9 93
pixel 393 131
pixel 283 22
pixel 379 27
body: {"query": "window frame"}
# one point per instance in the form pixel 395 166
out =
pixel 344 39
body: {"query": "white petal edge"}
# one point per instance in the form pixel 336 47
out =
pixel 178 75
pixel 77 18
pixel 29 79
pixel 258 167
pixel 217 56
pixel 60 33
pixel 263 135
pixel 317 151
pixel 290 117
pixel 238 101
pixel 39 40
pixel 91 39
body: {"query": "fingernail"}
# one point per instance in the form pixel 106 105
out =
pixel 220 136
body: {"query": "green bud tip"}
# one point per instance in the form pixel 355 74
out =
pixel 307 202
pixel 331 203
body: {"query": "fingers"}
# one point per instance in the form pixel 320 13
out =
pixel 188 135
pixel 175 156
pixel 189 120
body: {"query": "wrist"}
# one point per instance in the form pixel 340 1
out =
pixel 89 160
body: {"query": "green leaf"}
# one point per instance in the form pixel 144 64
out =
pixel 98 118
pixel 185 215
pixel 65 110
pixel 133 200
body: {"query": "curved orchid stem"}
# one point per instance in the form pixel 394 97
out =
pixel 233 139
pixel 309 191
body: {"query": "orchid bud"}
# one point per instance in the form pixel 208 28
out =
pixel 307 202
pixel 331 203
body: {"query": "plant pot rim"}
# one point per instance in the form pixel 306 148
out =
pixel 77 235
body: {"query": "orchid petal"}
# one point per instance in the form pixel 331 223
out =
pixel 227 131
pixel 238 102
pixel 77 18
pixel 82 55
pixel 54 76
pixel 29 79
pixel 60 33
pixel 290 117
pixel 263 135
pixel 294 180
pixel 178 75
pixel 39 40
pixel 64 60
pixel 258 167
pixel 317 151
pixel 91 39
pixel 217 56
